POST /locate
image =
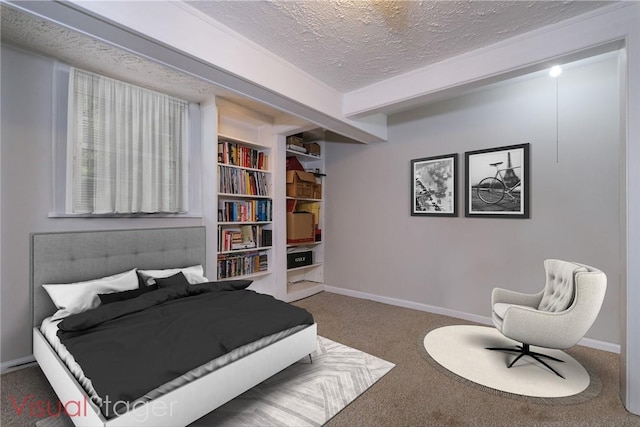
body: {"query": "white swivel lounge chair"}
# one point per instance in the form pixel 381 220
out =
pixel 556 317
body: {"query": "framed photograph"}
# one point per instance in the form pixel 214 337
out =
pixel 434 185
pixel 497 182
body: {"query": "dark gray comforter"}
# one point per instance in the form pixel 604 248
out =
pixel 129 348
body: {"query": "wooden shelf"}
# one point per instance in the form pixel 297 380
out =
pixel 246 147
pixel 303 156
pixel 303 199
pixel 252 144
pixel 239 251
pixel 308 280
pixel 242 196
pixel 303 289
pixel 295 245
pixel 228 165
pixel 246 276
pixel 234 223
pixel 305 267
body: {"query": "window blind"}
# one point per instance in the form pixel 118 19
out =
pixel 128 146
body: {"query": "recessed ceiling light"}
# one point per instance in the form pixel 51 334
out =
pixel 555 71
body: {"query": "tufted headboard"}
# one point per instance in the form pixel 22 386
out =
pixel 67 257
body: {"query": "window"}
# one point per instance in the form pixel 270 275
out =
pixel 127 148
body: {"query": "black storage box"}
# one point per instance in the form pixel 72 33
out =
pixel 299 259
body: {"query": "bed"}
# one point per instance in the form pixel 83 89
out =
pixel 69 257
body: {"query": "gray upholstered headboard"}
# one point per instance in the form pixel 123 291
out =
pixel 69 257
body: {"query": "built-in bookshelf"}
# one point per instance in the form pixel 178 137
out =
pixel 245 209
pixel 304 281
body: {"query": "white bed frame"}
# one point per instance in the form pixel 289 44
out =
pixel 74 256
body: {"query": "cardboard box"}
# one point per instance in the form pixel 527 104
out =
pixel 299 259
pixel 295 140
pixel 300 227
pixel 313 148
pixel 300 184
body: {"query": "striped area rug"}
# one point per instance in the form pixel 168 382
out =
pixel 304 394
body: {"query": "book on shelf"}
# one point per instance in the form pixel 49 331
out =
pixel 264 212
pixel 248 236
pixel 242 182
pixel 263 161
pixel 267 238
pixel 235 154
pixel 245 210
pixel 228 237
pixel 245 263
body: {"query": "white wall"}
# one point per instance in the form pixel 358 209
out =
pixel 453 263
pixel 26 194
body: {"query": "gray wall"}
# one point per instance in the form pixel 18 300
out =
pixel 454 263
pixel 26 197
pixel 443 262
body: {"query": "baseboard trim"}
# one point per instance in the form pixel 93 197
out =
pixel 600 345
pixel 410 304
pixel 16 363
pixel 586 342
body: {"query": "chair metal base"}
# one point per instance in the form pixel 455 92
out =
pixel 524 350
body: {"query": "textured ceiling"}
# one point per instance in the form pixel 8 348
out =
pixel 346 44
pixel 349 44
pixel 38 35
pixel 76 49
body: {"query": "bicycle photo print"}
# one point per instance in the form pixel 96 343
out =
pixel 497 182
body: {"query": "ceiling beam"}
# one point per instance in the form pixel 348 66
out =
pixel 141 28
pixel 577 38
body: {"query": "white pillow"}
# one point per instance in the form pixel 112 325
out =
pixel 73 298
pixel 194 274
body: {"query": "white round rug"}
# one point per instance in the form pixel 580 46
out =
pixel 461 349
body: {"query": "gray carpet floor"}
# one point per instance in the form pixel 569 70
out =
pixel 413 393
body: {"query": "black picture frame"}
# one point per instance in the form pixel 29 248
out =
pixel 434 186
pixel 497 182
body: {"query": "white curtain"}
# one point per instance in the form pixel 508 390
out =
pixel 128 146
